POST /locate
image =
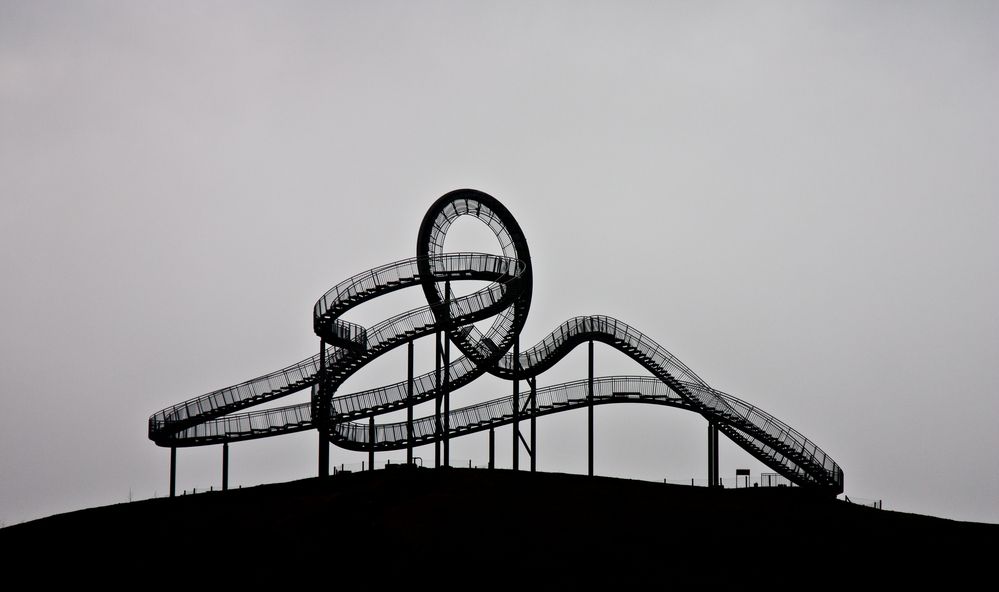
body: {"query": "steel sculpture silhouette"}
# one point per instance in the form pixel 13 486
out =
pixel 346 347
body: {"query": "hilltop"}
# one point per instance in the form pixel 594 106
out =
pixel 463 516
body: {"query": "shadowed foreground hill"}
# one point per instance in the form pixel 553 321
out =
pixel 413 517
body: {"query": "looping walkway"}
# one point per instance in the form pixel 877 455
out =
pixel 218 417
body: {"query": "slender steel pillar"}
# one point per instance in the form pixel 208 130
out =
pixel 534 426
pixel 409 408
pixel 173 471
pixel 437 401
pixel 371 443
pixel 712 454
pixel 225 466
pixel 714 428
pixel 322 422
pixel 589 410
pixel 516 404
pixel 447 378
pixel 492 448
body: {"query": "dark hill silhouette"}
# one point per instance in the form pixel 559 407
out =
pixel 408 516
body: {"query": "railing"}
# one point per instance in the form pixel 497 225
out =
pixel 178 418
pixel 212 418
pixel 500 411
pixel 870 503
pixel 247 426
pixel 731 482
pixel 239 396
pixel 400 274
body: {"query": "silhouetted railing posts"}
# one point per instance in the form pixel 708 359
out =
pixel 589 409
pixel 225 466
pixel 322 412
pixel 516 405
pixel 492 448
pixel 712 454
pixel 371 443
pixel 173 471
pixel 409 408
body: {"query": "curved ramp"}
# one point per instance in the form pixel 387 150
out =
pixel 217 416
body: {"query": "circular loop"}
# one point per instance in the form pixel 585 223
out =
pixel 485 348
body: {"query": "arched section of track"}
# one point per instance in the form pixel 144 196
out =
pixel 216 417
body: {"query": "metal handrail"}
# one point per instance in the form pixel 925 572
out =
pixel 213 417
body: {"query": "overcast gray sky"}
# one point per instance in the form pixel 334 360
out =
pixel 798 199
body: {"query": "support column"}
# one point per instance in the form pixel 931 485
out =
pixel 322 421
pixel 492 448
pixel 589 411
pixel 717 470
pixel 712 454
pixel 437 400
pixel 516 404
pixel 447 378
pixel 173 471
pixel 534 426
pixel 225 466
pixel 371 443
pixel 409 407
